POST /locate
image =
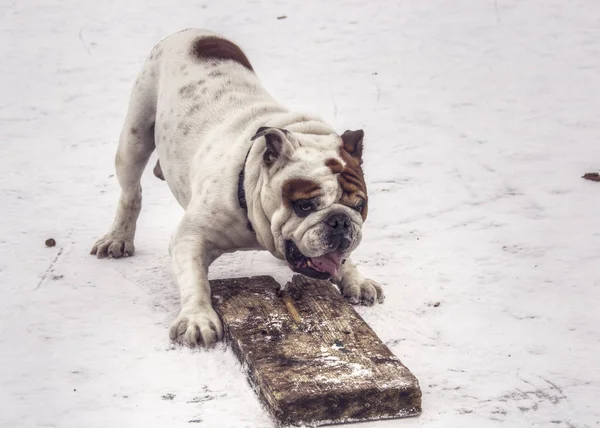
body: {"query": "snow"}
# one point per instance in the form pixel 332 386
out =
pixel 480 119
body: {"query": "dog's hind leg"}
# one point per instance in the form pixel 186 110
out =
pixel 136 144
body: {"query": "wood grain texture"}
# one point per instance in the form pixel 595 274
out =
pixel 312 359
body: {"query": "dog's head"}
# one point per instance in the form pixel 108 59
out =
pixel 313 198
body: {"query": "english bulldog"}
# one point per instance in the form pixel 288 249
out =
pixel 249 173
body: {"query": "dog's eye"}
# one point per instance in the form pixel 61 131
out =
pixel 303 207
pixel 360 206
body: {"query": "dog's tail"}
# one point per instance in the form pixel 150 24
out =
pixel 158 171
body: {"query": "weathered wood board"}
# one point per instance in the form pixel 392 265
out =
pixel 312 359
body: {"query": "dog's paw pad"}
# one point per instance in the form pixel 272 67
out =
pixel 113 247
pixel 201 327
pixel 371 293
pixel 366 293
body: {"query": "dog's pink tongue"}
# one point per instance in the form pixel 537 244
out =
pixel 329 262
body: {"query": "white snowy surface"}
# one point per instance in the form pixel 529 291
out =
pixel 480 118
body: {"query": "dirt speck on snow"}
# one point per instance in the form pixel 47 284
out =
pixel 592 176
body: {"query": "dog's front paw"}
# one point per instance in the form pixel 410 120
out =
pixel 113 247
pixel 366 292
pixel 198 327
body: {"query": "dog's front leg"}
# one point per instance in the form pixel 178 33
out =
pixel 197 324
pixel 356 288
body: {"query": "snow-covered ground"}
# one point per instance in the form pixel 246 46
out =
pixel 480 117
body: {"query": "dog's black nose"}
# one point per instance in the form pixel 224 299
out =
pixel 340 223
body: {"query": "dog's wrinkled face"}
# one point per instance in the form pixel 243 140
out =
pixel 315 197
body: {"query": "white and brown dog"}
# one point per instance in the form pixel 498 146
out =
pixel 249 173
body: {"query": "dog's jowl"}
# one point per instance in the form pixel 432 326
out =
pixel 249 173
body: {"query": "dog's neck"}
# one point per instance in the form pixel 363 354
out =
pixel 250 181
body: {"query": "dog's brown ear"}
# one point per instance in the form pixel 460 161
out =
pixel 352 142
pixel 275 142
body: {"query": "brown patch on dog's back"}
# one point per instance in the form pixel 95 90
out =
pixel 299 188
pixel 211 47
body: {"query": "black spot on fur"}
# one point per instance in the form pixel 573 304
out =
pixel 184 127
pixel 187 91
pixel 215 73
pixel 247 86
pixel 193 110
pixel 218 94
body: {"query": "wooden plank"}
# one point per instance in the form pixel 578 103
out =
pixel 312 359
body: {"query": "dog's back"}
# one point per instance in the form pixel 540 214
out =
pixel 202 94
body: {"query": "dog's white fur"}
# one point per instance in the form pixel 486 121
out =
pixel 203 135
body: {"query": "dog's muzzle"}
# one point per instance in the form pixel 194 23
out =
pixel 338 236
pixel 340 232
